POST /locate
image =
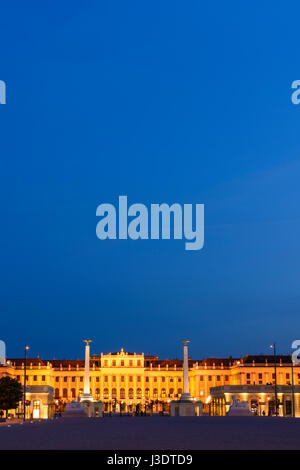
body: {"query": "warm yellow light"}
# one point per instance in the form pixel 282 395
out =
pixel 208 399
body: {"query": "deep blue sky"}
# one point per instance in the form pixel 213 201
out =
pixel 167 101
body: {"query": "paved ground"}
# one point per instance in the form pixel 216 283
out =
pixel 154 433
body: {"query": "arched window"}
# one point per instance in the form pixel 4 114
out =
pixel 130 393
pixel 114 393
pixel 56 393
pixel 171 392
pixel 139 393
pixel 73 393
pixel 105 393
pixel 122 393
pixel 155 394
pixel 97 393
pixel 163 393
pixel 147 393
pixel 180 391
pixel 65 393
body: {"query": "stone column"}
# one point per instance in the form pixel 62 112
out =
pixel 2 353
pixel 186 387
pixel 86 389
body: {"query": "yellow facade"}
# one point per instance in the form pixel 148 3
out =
pixel 124 380
pixel 260 399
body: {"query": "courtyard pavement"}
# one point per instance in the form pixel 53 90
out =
pixel 154 433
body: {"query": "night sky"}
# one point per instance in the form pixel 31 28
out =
pixel 172 101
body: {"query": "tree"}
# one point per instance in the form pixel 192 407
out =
pixel 10 394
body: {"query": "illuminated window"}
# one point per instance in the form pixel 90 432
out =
pixel 155 393
pixel 105 393
pixel 163 393
pixel 122 363
pixel 36 409
pixel 114 378
pixel 147 393
pixel 138 378
pixel 114 363
pixel 139 393
pixel 122 393
pixel 114 393
pixel 138 363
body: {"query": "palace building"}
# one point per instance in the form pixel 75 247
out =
pixel 126 381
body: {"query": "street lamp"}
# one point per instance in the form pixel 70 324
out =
pixel 273 346
pixel 24 389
